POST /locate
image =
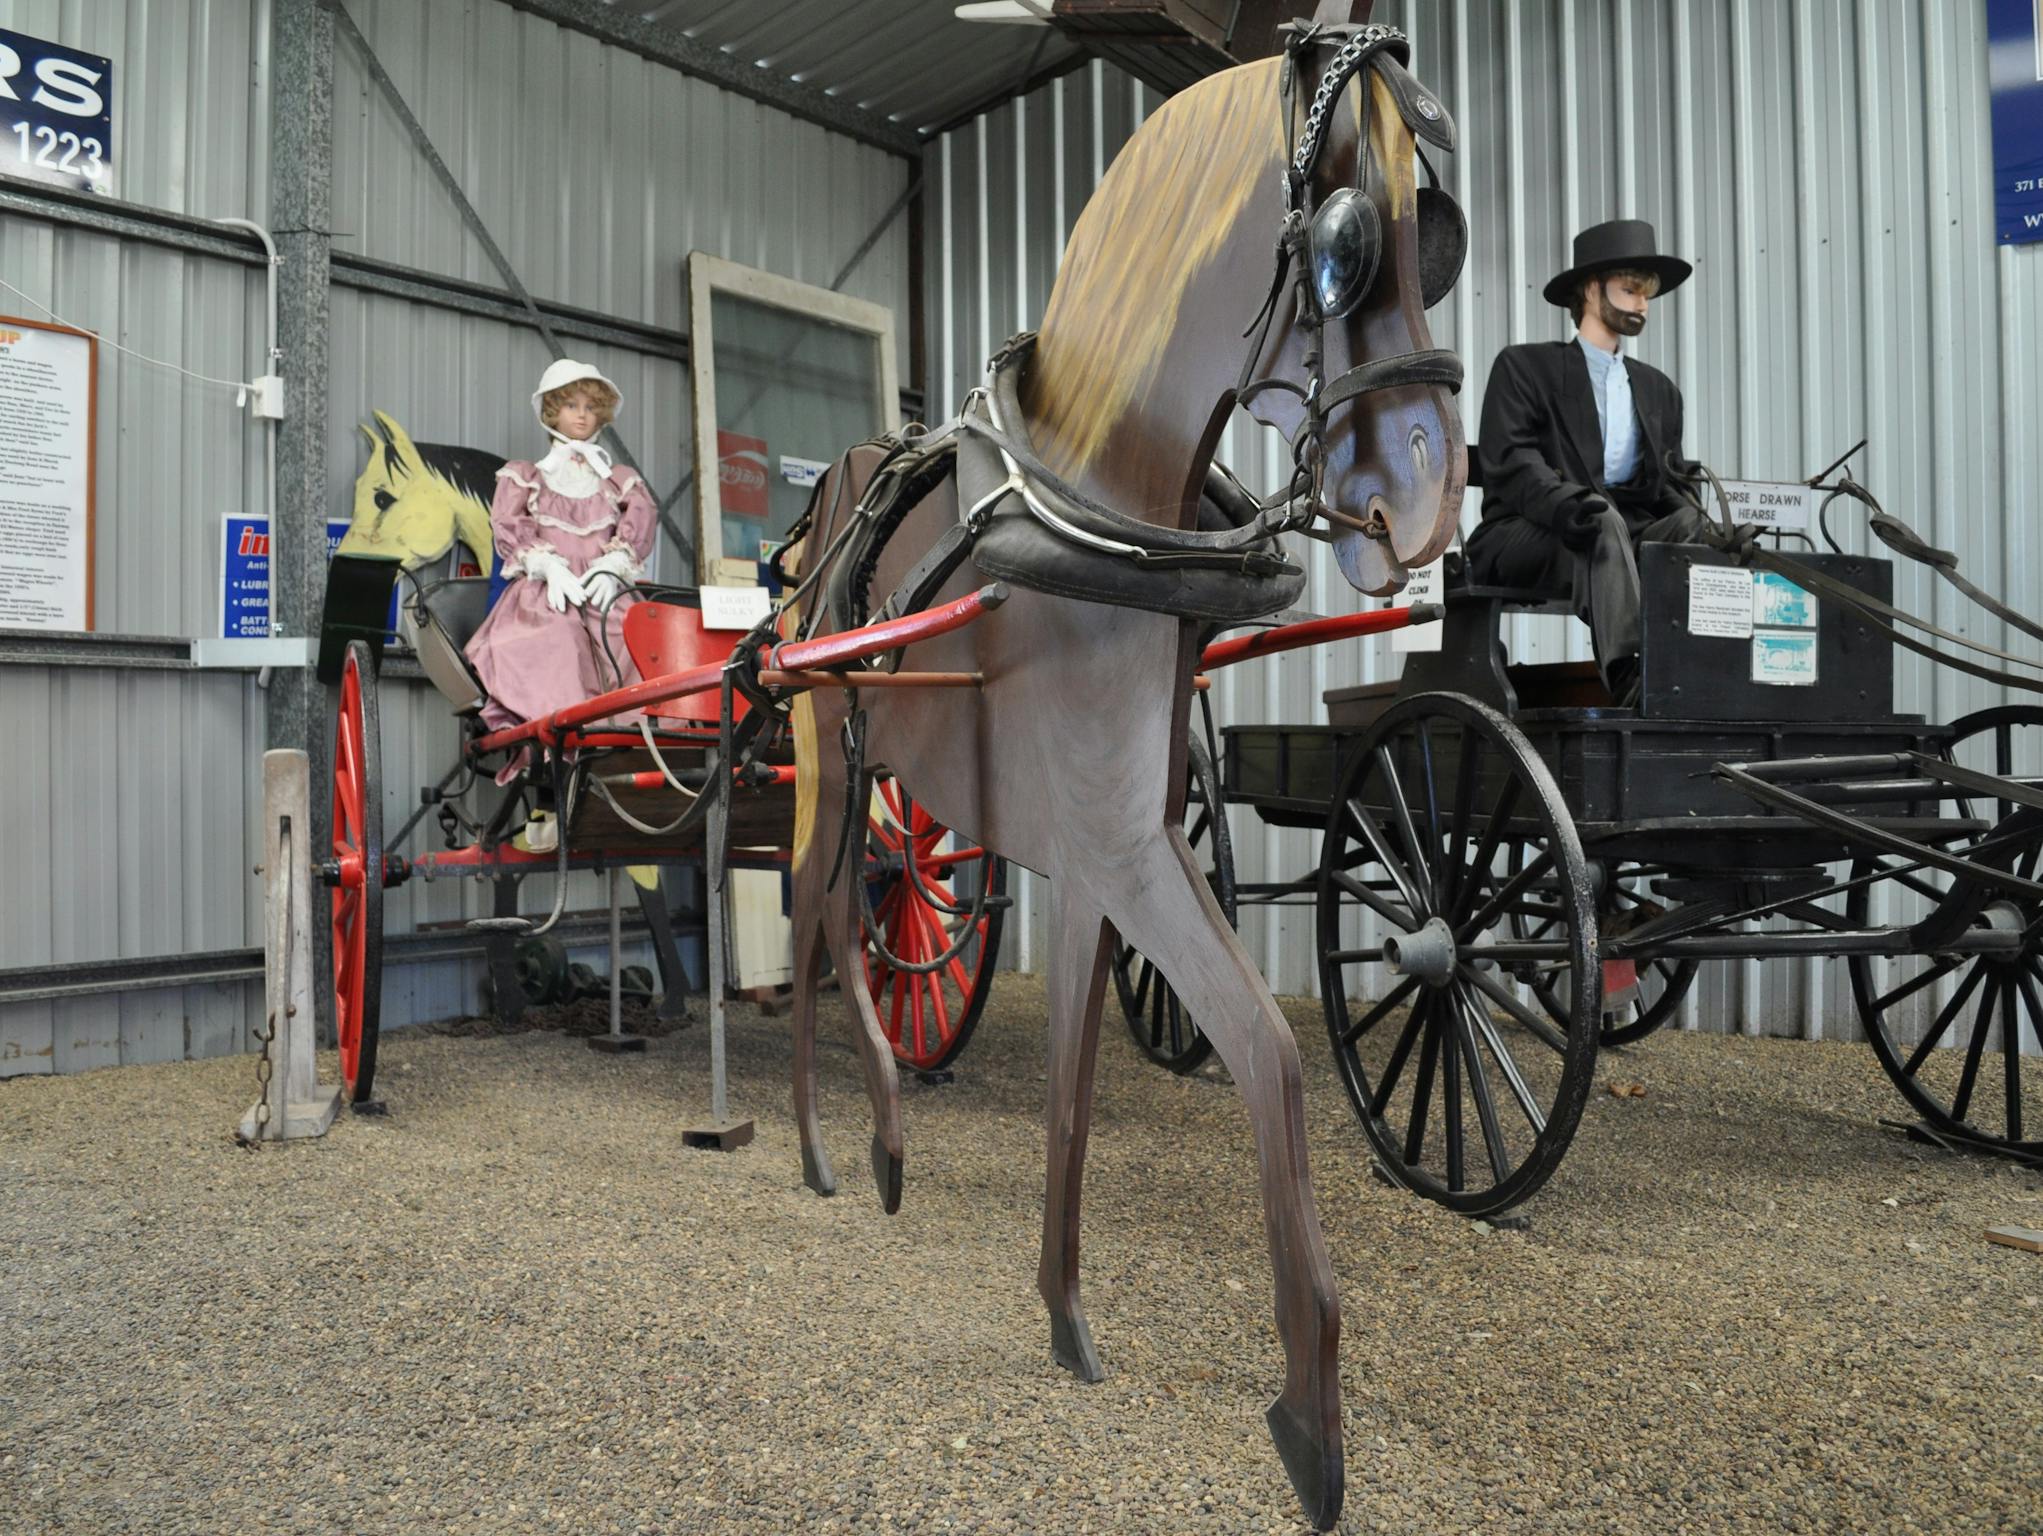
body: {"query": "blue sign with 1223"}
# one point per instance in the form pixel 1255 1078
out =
pixel 56 113
pixel 2014 74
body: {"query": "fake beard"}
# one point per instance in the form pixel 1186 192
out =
pixel 1622 322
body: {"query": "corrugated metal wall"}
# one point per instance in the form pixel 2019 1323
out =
pixel 132 796
pixel 1826 164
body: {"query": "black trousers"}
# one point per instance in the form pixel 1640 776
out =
pixel 1602 580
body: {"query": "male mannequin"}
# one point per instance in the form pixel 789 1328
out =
pixel 1574 443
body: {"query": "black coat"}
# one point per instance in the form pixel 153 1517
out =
pixel 1542 445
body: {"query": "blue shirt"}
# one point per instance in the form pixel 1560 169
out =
pixel 1612 387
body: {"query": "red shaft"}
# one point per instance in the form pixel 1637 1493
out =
pixel 871 639
pixel 1289 637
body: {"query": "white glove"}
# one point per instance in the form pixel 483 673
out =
pixel 561 586
pixel 608 575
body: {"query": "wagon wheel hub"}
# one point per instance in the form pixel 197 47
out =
pixel 1426 953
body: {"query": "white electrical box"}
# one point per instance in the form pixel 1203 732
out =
pixel 266 398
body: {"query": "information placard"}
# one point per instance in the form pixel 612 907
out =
pixel 1719 602
pixel 48 411
pixel 734 607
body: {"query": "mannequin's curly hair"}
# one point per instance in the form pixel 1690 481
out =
pixel 601 395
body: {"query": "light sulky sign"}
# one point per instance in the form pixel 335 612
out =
pixel 56 113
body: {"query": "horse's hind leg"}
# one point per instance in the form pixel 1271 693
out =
pixel 1078 968
pixel 841 930
pixel 1168 913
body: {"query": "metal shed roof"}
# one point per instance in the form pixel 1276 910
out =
pixel 911 62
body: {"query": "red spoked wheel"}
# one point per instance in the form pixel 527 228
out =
pixel 928 890
pixel 357 913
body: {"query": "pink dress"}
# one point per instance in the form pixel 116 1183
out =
pixel 533 661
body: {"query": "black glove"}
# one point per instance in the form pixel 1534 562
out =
pixel 1581 522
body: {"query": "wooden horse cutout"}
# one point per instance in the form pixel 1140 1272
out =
pixel 1069 759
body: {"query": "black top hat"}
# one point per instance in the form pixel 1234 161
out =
pixel 1621 245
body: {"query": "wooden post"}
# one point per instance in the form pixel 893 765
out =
pixel 293 1104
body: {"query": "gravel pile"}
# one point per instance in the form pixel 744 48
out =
pixel 517 1304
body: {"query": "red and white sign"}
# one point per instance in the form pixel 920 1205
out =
pixel 741 474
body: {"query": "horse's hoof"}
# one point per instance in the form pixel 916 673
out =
pixel 1071 1346
pixel 816 1172
pixel 1314 1466
pixel 887 1175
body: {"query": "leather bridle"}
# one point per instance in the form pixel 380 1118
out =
pixel 1356 48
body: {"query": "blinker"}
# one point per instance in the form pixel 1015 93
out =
pixel 1345 245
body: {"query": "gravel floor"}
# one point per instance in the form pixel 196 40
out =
pixel 518 1304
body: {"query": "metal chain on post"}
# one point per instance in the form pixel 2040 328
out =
pixel 265 1066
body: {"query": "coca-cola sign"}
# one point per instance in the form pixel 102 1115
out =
pixel 741 474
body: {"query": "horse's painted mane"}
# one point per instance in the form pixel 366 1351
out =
pixel 471 471
pixel 1166 208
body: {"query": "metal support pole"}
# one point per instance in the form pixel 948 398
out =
pixel 617 1040
pixel 292 1104
pixel 721 1131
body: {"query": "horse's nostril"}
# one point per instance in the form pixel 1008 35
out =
pixel 1422 453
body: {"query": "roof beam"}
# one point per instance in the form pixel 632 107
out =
pixel 664 42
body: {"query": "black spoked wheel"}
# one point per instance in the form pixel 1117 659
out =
pixel 1156 1018
pixel 1952 1031
pixel 1638 996
pixel 1445 831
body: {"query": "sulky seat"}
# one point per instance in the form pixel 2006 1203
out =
pixel 666 635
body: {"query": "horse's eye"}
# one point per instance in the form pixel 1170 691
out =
pixel 385 501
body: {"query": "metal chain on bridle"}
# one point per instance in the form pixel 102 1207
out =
pixel 1340 70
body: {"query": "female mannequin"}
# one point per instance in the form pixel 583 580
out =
pixel 574 531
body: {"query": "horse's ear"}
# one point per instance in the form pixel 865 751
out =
pixel 1335 13
pixel 401 445
pixel 375 442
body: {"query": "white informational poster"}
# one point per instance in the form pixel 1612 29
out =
pixel 46 440
pixel 1719 602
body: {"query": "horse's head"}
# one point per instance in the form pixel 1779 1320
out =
pixel 1370 250
pixel 407 504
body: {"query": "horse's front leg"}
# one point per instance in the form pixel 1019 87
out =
pixel 1078 968
pixel 1166 911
